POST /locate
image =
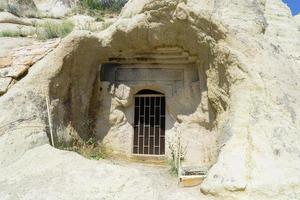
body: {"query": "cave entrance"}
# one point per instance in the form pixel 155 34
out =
pixel 149 123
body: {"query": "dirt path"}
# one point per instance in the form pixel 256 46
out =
pixel 165 185
pixel 50 174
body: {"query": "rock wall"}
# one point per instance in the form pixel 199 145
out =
pixel 173 73
pixel 297 19
pixel 15 65
pixel 19 7
pixel 252 86
pixel 55 8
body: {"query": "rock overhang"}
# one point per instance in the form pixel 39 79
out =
pixel 227 59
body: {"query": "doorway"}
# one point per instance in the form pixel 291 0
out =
pixel 149 123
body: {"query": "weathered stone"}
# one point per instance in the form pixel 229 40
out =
pixel 18 30
pixel 130 180
pixel 5 62
pixel 19 7
pixel 26 60
pixel 22 58
pixel 81 21
pixel 54 8
pixel 9 43
pixel 242 111
pixel 4 84
pixel 14 71
pixel 6 17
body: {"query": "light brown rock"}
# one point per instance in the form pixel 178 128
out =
pixel 15 71
pixel 6 17
pixel 249 65
pixel 9 43
pixel 5 62
pixel 4 84
pixel 14 64
pixel 21 59
pixel 44 172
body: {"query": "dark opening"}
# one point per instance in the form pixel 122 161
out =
pixel 149 123
pixel 148 92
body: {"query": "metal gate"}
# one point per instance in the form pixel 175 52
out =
pixel 149 124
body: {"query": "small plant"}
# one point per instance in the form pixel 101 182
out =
pixel 35 14
pixel 173 169
pixel 178 153
pixel 90 4
pixel 10 34
pixel 106 25
pixel 55 30
pixel 88 27
pixel 90 149
pixel 99 19
pixel 94 5
pixel 113 5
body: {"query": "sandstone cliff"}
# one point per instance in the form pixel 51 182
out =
pixel 248 53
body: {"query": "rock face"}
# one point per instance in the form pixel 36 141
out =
pixel 10 43
pixel 33 8
pixel 54 8
pixel 21 59
pixel 53 174
pixel 249 72
pixel 6 17
pixel 19 7
pixel 297 19
pixel 4 84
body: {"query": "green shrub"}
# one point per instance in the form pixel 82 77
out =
pixel 66 28
pixel 172 168
pixel 51 30
pixel 90 4
pixel 99 19
pixel 10 34
pixel 112 5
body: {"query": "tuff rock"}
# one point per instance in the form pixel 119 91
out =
pixel 247 55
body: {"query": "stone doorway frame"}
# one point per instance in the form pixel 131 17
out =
pixel 149 123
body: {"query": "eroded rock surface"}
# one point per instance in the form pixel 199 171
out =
pixel 52 173
pixel 297 19
pixel 4 84
pixel 54 8
pixel 6 17
pixel 250 97
pixel 19 7
pixel 21 59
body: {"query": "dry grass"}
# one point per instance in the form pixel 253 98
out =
pixel 90 149
pixel 51 30
pixel 10 34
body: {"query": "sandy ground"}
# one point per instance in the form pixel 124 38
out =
pixel 48 173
